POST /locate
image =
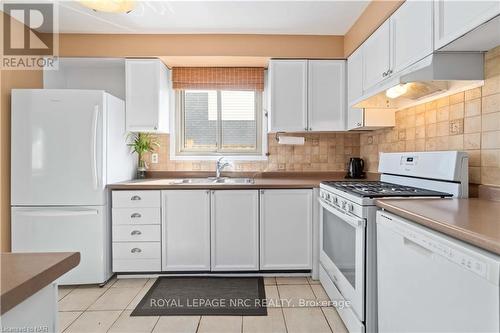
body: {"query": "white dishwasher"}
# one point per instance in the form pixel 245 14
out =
pixel 429 282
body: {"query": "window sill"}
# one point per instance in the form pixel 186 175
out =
pixel 216 157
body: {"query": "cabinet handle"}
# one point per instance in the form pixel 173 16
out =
pixel 136 232
pixel 261 191
pixel 135 216
pixel 310 128
pixel 384 74
pixel 305 128
pixel 358 124
pixel 389 72
pixel 135 198
pixel 136 250
pixel 208 191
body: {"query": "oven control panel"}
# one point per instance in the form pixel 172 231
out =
pixel 340 203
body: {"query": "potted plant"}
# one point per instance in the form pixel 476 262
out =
pixel 142 143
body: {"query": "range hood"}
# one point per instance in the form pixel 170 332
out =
pixel 439 74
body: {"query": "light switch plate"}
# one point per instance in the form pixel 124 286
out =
pixel 154 158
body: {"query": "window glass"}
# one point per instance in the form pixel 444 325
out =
pixel 219 122
pixel 239 124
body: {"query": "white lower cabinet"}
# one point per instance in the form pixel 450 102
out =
pixel 212 230
pixel 235 230
pixel 136 257
pixel 136 233
pixel 286 229
pixel 186 230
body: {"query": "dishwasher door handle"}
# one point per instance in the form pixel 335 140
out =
pixel 417 247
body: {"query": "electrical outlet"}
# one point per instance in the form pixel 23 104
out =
pixel 457 126
pixel 154 158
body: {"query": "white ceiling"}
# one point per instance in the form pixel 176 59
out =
pixel 230 17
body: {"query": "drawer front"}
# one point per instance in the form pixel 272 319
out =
pixel 136 233
pixel 136 265
pixel 136 216
pixel 131 199
pixel 136 250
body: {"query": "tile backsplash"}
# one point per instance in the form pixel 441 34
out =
pixel 468 121
pixel 321 152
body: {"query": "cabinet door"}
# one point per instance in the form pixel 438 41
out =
pixel 411 27
pixel 355 118
pixel 378 56
pixel 235 230
pixel 355 75
pixel 285 229
pixel 326 95
pixel 186 230
pixel 288 85
pixel 453 19
pixel 146 95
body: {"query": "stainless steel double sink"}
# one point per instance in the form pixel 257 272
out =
pixel 212 181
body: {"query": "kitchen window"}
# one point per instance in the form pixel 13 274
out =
pixel 219 122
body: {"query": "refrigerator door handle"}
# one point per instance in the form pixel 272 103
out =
pixel 57 212
pixel 93 146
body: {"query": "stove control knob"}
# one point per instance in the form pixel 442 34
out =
pixel 350 207
pixel 344 203
pixel 327 197
pixel 336 201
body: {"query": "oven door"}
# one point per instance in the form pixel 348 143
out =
pixel 342 254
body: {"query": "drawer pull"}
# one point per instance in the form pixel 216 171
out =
pixel 136 250
pixel 135 216
pixel 135 198
pixel 135 232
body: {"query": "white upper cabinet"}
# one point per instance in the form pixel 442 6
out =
pixel 355 118
pixel 288 98
pixel 411 29
pixel 453 19
pixel 355 75
pixel 235 230
pixel 377 62
pixel 186 230
pixel 354 88
pixel 326 95
pixel 147 95
pixel 307 95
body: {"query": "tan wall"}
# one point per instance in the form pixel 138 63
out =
pixel 374 15
pixel 10 80
pixel 277 46
pixel 427 127
pixel 321 152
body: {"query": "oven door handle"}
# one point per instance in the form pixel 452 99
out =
pixel 355 222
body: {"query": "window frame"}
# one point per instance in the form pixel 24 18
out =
pixel 179 146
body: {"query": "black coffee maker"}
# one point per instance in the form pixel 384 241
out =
pixel 355 168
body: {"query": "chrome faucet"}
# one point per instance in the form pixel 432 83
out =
pixel 219 166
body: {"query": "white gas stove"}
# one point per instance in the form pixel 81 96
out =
pixel 348 228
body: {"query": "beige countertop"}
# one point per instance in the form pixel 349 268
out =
pixel 270 180
pixel 475 221
pixel 24 274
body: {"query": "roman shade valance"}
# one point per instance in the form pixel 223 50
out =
pixel 218 78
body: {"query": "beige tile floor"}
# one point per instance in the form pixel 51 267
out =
pixel 92 309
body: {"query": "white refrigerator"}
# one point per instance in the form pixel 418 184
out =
pixel 66 145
